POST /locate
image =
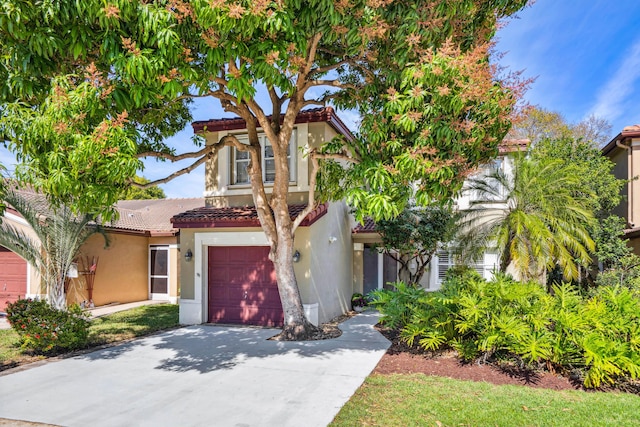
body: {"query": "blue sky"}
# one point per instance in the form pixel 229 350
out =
pixel 585 55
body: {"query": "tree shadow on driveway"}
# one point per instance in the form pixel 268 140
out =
pixel 206 348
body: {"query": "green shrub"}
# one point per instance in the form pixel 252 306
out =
pixel 396 305
pixel 599 336
pixel 45 329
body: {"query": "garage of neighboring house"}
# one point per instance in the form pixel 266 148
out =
pixel 242 286
pixel 13 277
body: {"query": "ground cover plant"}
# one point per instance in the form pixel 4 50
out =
pixel 595 339
pixel 420 400
pixel 109 329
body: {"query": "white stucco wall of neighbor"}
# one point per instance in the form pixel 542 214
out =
pixel 331 263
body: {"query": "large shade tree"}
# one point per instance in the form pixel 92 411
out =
pixel 90 87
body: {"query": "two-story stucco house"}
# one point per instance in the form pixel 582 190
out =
pixel 373 270
pixel 228 277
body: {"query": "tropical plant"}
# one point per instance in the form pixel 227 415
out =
pixel 53 242
pixel 596 337
pixel 414 236
pixel 129 70
pixel 533 217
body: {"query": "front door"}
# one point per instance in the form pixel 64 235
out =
pixel 159 272
pixel 378 270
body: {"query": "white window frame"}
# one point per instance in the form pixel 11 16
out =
pixel 264 142
pixel 167 276
pixel 446 259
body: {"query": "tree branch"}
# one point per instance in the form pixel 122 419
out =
pixel 326 69
pixel 173 157
pixel 173 175
pixel 315 165
pixel 344 157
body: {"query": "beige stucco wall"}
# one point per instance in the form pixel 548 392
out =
pixel 186 269
pixel 633 196
pixel 620 158
pixel 122 274
pixel 331 249
pixel 218 189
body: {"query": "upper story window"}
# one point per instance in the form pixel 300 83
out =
pixel 240 161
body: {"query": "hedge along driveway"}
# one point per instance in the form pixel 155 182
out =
pixel 200 375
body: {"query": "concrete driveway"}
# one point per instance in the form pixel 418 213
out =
pixel 200 376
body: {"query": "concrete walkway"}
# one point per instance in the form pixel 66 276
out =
pixel 200 376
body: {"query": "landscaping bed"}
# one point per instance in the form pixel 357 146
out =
pixel 107 330
pixel 403 359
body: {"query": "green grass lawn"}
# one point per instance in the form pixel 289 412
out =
pixel 419 400
pixel 116 327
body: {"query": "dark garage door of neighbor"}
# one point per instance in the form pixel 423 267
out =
pixel 13 277
pixel 242 286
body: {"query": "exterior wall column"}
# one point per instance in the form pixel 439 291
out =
pixel 358 266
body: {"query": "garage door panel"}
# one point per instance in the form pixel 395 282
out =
pixel 13 277
pixel 242 287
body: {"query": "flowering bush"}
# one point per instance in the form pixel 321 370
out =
pixel 45 329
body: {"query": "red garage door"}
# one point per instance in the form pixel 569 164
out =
pixel 13 277
pixel 242 286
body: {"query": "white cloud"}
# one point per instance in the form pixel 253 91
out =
pixel 619 88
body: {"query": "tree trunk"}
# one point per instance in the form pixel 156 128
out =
pixel 56 295
pixel 296 326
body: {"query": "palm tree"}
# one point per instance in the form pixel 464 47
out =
pixel 55 241
pixel 535 218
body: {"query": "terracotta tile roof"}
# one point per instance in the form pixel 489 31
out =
pixel 627 132
pixel 513 145
pixel 153 215
pixel 210 217
pixel 146 216
pixel 369 226
pixel 313 115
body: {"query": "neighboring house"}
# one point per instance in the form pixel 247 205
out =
pixel 374 270
pixel 624 151
pixel 229 278
pixel 140 262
